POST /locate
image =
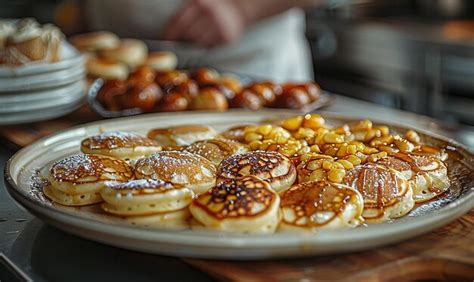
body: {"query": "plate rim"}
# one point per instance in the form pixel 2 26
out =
pixel 462 204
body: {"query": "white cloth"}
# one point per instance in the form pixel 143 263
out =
pixel 274 48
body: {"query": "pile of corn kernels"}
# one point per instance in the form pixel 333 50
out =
pixel 321 152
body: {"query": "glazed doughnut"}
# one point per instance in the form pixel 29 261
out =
pixel 77 180
pixel 320 205
pixel 142 96
pixel 245 204
pixel 123 145
pixel 272 167
pixel 178 168
pixel 181 135
pixel 386 193
pixel 110 93
pixel 216 150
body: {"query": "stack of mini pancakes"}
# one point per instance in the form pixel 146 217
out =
pixel 191 176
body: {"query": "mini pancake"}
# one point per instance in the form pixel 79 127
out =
pixel 272 167
pixel 386 193
pixel 216 150
pixel 236 133
pixel 181 135
pixel 145 197
pixel 178 168
pixel 246 204
pixel 169 220
pixel 118 144
pixel 320 205
pixel 77 180
pixel 427 175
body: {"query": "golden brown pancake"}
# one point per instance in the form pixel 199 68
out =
pixel 272 167
pixel 78 179
pixel 236 133
pixel 118 144
pixel 320 205
pixel 386 193
pixel 427 175
pixel 178 168
pixel 216 150
pixel 246 204
pixel 181 135
pixel 145 197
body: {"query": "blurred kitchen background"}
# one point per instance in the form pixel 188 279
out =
pixel 416 55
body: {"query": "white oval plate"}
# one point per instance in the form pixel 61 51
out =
pixel 89 222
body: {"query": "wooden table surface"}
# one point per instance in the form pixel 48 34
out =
pixel 444 254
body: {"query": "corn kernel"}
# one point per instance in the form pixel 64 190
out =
pixel 384 130
pixel 327 165
pixel 255 145
pixel 351 149
pixel 264 129
pixel 333 138
pixel 412 136
pixel 336 165
pixel 372 133
pixel 404 145
pixel 383 140
pixel 354 160
pixel 359 145
pixel 292 123
pixel 252 128
pixel 375 157
pixel 345 163
pixel 313 121
pixel 315 148
pixel 318 174
pixel 281 140
pixel 336 175
pixel 313 165
pixel 369 150
pixel 252 136
pixel 305 157
pixel 304 150
pixel 388 149
pixel 362 125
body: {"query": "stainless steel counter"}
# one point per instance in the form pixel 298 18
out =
pixel 46 254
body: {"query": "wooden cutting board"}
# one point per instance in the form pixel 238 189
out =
pixel 444 254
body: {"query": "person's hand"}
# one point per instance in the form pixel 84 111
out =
pixel 208 22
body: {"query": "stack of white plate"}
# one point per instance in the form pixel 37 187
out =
pixel 41 91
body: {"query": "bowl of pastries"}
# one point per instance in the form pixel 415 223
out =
pixel 126 79
pixel 244 186
pixel 41 75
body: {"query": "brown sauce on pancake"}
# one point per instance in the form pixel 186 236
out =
pixel 237 197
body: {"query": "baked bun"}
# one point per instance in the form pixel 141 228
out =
pixel 209 99
pixel 181 135
pixel 162 61
pixel 272 167
pixel 106 69
pixel 131 52
pixel 216 150
pixel 246 204
pixel 178 168
pixel 320 205
pixel 386 193
pixel 427 175
pixel 95 41
pixel 77 180
pixel 123 145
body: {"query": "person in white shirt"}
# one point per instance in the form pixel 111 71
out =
pixel 263 38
